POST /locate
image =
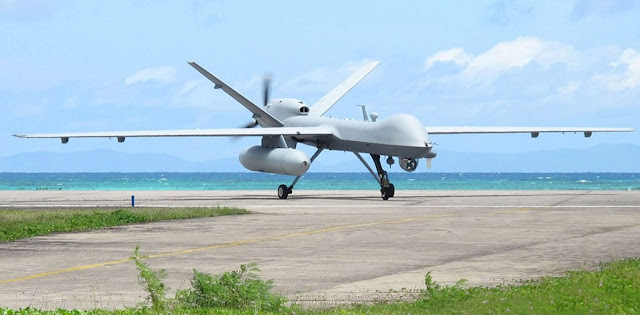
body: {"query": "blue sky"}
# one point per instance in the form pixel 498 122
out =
pixel 121 65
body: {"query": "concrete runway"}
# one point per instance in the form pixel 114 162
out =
pixel 321 247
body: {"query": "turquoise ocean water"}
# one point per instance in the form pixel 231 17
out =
pixel 318 181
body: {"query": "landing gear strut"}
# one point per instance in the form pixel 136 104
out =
pixel 283 190
pixel 386 188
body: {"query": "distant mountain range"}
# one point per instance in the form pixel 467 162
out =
pixel 601 158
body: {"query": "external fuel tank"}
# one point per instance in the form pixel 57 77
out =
pixel 275 160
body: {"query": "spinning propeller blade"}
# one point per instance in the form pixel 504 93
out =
pixel 258 112
pixel 266 86
pixel 251 124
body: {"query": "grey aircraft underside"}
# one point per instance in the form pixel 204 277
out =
pixel 287 122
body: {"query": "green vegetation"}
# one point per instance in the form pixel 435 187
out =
pixel 17 223
pixel 612 289
pixel 151 281
pixel 231 291
pixel 239 289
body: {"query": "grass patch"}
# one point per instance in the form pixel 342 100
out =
pixel 612 289
pixel 236 291
pixel 20 223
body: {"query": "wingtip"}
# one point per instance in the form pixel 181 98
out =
pixel 374 62
pixel 19 136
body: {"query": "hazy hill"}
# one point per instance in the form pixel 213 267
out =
pixel 601 158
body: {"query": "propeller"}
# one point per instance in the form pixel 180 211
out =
pixel 250 124
pixel 266 88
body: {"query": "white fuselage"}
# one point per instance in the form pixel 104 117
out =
pixel 399 135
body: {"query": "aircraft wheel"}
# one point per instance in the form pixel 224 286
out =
pixel 392 190
pixel 386 193
pixel 283 192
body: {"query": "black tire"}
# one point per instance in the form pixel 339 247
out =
pixel 386 193
pixel 283 192
pixel 392 190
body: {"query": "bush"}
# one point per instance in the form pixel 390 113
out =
pixel 238 289
pixel 151 281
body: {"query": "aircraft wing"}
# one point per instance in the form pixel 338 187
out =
pixel 231 132
pixel 326 102
pixel 257 111
pixel 534 131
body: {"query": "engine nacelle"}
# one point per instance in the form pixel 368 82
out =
pixel 408 165
pixel 275 160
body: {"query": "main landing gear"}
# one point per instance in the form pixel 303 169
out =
pixel 387 190
pixel 283 190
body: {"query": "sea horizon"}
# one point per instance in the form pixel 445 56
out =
pixel 318 181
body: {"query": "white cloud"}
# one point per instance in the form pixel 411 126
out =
pixel 570 88
pixel 505 56
pixel 160 74
pixel 455 55
pixel 533 76
pixel 516 54
pixel 188 87
pixel 628 77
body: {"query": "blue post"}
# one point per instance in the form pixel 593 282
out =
pixel 133 201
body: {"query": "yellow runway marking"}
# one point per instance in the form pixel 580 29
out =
pixel 51 273
pixel 250 241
